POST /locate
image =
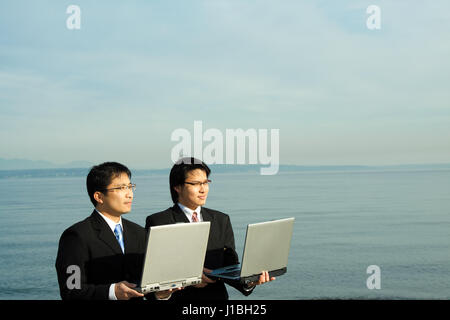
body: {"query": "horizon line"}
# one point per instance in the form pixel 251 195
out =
pixel 257 165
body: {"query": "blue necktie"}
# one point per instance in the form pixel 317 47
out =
pixel 119 236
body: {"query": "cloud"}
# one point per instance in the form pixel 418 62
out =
pixel 312 70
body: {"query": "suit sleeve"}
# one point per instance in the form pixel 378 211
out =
pixel 148 223
pixel 71 270
pixel 231 257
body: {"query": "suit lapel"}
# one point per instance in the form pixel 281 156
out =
pixel 178 215
pixel 104 233
pixel 128 237
pixel 206 215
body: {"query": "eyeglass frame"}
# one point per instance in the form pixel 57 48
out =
pixel 199 184
pixel 131 186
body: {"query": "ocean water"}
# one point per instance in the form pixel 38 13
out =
pixel 346 221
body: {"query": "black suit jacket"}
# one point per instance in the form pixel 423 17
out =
pixel 220 251
pixel 92 246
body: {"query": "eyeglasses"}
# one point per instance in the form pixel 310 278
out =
pixel 199 184
pixel 129 187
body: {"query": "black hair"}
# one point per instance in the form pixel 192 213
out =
pixel 100 176
pixel 179 171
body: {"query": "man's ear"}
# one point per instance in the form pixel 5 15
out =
pixel 177 189
pixel 98 196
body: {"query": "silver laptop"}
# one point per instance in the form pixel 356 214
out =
pixel 266 248
pixel 174 257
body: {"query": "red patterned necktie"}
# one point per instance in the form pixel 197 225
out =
pixel 194 217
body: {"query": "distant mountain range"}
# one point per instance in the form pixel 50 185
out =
pixel 25 164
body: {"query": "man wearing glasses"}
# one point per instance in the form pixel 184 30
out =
pixel 189 187
pixel 101 257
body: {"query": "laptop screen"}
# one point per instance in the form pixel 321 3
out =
pixel 267 246
pixel 175 252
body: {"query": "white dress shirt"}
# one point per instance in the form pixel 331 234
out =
pixel 112 226
pixel 188 212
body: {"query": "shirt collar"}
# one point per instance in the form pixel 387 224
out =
pixel 188 212
pixel 110 223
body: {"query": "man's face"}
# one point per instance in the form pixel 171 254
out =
pixel 116 202
pixel 190 195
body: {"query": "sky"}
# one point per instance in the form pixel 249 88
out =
pixel 136 71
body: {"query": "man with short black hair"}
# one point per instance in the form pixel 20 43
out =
pixel 189 187
pixel 101 257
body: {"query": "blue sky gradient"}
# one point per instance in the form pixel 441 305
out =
pixel 137 70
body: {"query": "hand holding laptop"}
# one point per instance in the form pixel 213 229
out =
pixel 124 291
pixel 166 294
pixel 270 236
pixel 263 278
pixel 167 268
pixel 205 279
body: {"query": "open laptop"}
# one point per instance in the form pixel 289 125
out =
pixel 174 257
pixel 266 248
